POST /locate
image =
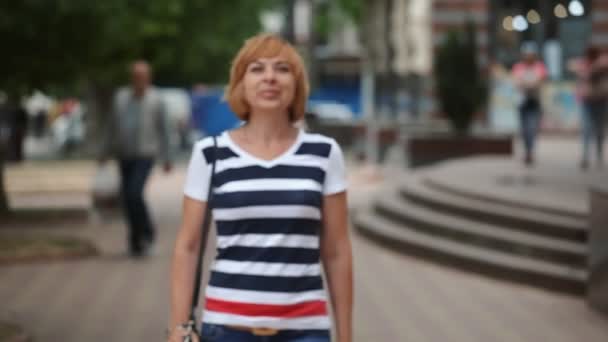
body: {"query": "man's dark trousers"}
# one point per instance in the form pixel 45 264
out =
pixel 134 174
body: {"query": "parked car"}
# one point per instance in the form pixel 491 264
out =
pixel 179 110
pixel 326 110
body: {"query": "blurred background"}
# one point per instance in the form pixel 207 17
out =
pixel 461 230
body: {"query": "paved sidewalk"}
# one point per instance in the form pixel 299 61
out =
pixel 556 182
pixel 398 298
pixel 50 184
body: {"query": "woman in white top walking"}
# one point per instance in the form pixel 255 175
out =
pixel 279 204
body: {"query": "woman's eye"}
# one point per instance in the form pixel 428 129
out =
pixel 283 68
pixel 256 68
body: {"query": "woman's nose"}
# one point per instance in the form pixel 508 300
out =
pixel 269 74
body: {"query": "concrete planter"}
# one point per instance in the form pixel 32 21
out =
pixel 428 149
pixel 597 285
pixel 425 143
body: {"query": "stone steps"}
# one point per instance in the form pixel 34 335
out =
pixel 520 217
pixel 512 201
pixel 447 226
pixel 461 254
pixel 517 243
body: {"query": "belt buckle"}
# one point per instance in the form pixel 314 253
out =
pixel 264 331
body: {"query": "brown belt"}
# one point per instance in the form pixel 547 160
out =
pixel 255 331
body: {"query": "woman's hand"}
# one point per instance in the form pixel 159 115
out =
pixel 180 332
pixel 185 257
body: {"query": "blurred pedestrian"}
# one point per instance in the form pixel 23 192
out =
pixel 39 123
pixel 591 71
pixel 137 134
pixel 529 75
pixel 278 197
pixel 17 124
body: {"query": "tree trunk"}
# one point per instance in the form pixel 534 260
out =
pixel 4 209
pixel 390 85
pixel 6 127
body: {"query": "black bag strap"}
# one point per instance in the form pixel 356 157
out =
pixel 204 235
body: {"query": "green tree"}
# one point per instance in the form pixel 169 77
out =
pixel 460 86
pixel 353 8
pixel 75 45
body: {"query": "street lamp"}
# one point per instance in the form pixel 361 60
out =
pixel 507 23
pixel 533 17
pixel 576 8
pixel 560 11
pixel 520 24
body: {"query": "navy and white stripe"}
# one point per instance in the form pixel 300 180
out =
pixel 268 218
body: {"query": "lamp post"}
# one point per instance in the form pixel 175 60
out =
pixel 368 85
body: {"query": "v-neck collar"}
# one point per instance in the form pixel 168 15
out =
pixel 262 162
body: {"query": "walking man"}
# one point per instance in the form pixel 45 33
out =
pixel 137 134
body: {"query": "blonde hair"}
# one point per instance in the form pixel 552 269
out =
pixel 266 46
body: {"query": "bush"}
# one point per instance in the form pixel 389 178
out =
pixel 460 87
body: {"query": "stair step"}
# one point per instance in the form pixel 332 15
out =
pixel 481 234
pixel 513 202
pixel 494 263
pixel 518 218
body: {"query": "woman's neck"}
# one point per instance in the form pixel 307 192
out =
pixel 266 127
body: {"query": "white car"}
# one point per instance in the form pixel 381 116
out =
pixel 331 111
pixel 179 112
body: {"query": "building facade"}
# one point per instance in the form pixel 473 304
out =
pixel 401 36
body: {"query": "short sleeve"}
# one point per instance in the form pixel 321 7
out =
pixel 335 176
pixel 197 176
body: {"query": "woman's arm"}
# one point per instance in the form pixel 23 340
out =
pixel 184 261
pixel 336 255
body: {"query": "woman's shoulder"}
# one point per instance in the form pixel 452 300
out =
pixel 321 145
pixel 205 146
pixel 204 142
pixel 318 138
pixel 208 140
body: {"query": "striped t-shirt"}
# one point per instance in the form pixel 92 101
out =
pixel 267 271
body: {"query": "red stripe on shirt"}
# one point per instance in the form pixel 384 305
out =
pixel 312 308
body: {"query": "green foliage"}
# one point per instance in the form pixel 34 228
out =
pixel 459 83
pixel 40 38
pixel 352 8
pixel 322 24
pixel 58 45
pixel 330 15
pixel 57 42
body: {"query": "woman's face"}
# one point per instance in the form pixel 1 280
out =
pixel 269 85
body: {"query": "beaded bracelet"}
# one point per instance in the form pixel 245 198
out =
pixel 186 328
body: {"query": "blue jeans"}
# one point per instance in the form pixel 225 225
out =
pixel 594 114
pixel 221 333
pixel 529 115
pixel 134 174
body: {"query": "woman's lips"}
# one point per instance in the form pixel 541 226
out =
pixel 269 93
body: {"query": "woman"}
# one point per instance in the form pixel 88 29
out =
pixel 280 209
pixel 591 91
pixel 529 75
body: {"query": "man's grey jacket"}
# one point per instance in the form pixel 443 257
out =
pixel 137 128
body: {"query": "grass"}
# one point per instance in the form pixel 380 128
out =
pixel 8 332
pixel 18 248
